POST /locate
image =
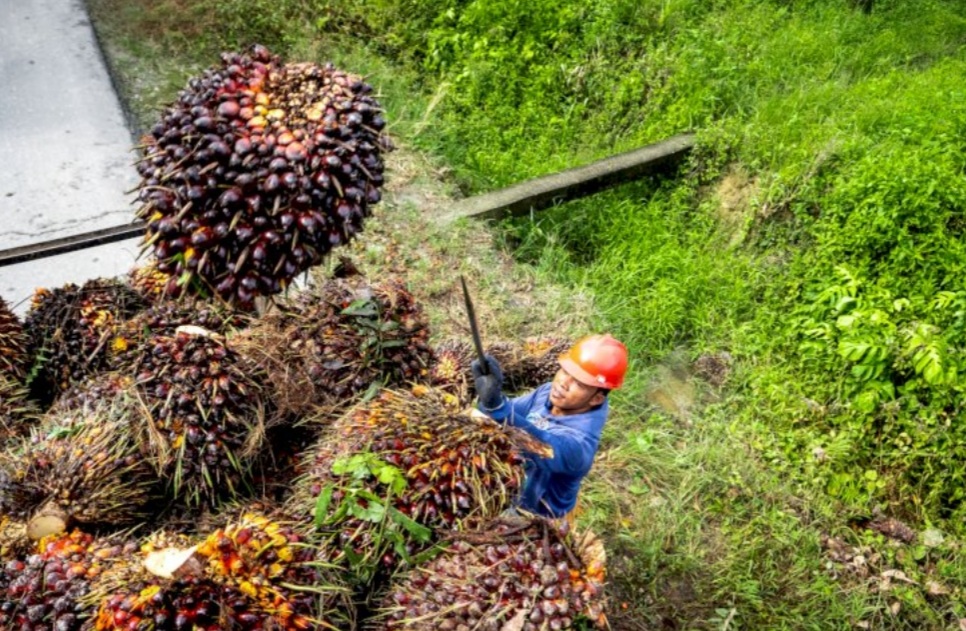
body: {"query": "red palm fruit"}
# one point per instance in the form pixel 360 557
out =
pixel 47 589
pixel 251 573
pixel 526 570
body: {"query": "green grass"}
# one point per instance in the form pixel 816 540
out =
pixel 813 233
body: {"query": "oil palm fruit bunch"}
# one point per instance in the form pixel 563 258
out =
pixel 92 393
pixel 340 340
pixel 263 556
pixel 525 365
pixel 450 369
pixel 518 573
pixel 200 413
pixel 530 363
pixel 69 331
pixel 13 345
pixel 256 172
pixel 253 573
pixel 45 591
pixel 418 455
pixel 82 468
pixel 164 317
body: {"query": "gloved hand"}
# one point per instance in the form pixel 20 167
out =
pixel 488 387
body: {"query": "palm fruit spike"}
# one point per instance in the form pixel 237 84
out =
pixel 450 369
pixel 252 573
pixel 339 341
pixel 202 416
pixel 454 467
pixel 69 330
pixel 45 591
pixel 77 469
pixel 16 411
pixel 518 573
pixel 529 364
pixel 256 172
pixel 13 345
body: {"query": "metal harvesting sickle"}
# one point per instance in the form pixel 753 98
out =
pixel 474 329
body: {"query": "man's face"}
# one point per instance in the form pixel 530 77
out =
pixel 569 396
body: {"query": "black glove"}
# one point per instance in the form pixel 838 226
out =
pixel 488 387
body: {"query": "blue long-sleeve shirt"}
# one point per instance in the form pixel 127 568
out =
pixel 552 484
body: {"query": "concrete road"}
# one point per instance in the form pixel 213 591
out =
pixel 65 149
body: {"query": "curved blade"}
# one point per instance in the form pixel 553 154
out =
pixel 474 329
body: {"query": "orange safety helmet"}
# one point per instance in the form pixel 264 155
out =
pixel 597 360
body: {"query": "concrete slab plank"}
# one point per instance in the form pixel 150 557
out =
pixel 65 147
pixel 18 282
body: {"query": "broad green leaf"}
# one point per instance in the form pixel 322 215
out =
pixel 388 474
pixel 854 351
pixel 361 307
pixel 420 533
pixel 322 505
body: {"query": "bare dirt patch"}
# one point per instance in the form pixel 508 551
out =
pixel 406 238
pixel 735 193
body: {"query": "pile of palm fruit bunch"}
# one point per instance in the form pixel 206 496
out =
pixel 70 329
pixel 44 591
pixel 256 573
pixel 256 172
pixel 338 340
pixel 418 453
pixel 79 468
pixel 525 365
pixel 188 423
pixel 522 572
pixel 169 397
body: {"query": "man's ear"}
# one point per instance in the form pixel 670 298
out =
pixel 598 399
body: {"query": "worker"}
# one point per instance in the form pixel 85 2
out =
pixel 568 414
